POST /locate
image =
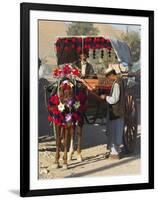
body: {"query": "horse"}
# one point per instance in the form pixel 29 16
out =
pixel 66 105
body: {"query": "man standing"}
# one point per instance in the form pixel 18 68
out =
pixel 86 68
pixel 115 115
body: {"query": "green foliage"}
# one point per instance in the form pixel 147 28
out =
pixel 133 40
pixel 81 28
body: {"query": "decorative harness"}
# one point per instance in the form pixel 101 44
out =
pixel 66 111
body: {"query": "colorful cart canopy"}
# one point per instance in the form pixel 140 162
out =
pixel 68 49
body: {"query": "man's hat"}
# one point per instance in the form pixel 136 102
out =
pixel 110 70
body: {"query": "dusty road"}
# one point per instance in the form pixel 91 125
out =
pixel 94 162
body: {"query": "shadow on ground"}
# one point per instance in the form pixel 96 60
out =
pixel 92 136
pixel 103 168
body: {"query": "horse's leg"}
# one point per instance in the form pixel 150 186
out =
pixel 57 146
pixel 65 147
pixel 79 131
pixel 71 149
pixel 61 158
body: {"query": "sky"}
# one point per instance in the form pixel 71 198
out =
pixel 121 27
pixel 130 27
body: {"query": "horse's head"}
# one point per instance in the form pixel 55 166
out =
pixel 66 89
pixel 67 104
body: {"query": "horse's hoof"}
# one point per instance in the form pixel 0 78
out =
pixel 69 156
pixel 61 158
pixel 55 166
pixel 65 166
pixel 79 158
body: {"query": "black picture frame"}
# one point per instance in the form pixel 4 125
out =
pixel 25 9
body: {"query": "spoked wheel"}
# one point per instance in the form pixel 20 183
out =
pixel 130 127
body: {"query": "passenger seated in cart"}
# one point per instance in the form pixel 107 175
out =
pixel 85 67
pixel 115 115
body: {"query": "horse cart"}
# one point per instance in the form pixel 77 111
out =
pixel 103 52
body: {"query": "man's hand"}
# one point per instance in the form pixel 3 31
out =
pixel 90 88
pixel 80 79
pixel 103 96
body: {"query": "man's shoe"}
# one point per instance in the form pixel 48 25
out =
pixel 122 155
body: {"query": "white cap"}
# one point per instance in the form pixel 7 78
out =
pixel 108 70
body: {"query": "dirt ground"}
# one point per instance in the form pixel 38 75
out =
pixel 94 162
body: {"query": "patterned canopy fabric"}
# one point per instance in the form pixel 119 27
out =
pixel 68 49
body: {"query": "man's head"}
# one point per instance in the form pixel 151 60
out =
pixel 83 57
pixel 111 74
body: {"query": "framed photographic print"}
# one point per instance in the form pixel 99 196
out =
pixel 87 99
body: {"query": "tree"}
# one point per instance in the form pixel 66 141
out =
pixel 82 28
pixel 133 40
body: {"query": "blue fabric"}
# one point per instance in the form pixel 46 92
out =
pixel 115 134
pixel 122 50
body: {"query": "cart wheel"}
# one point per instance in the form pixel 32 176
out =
pixel 130 127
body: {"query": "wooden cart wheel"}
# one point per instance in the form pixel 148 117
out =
pixel 130 127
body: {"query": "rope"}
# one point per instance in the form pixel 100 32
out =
pixel 88 86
